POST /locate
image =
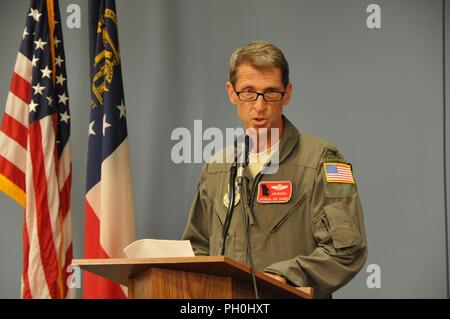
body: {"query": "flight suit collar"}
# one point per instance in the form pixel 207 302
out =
pixel 288 142
pixel 289 139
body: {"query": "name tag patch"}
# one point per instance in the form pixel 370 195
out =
pixel 274 192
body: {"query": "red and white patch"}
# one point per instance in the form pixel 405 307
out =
pixel 274 192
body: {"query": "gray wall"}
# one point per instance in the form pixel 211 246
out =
pixel 377 94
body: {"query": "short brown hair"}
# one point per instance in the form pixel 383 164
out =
pixel 260 55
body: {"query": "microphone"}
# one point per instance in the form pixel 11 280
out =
pixel 243 159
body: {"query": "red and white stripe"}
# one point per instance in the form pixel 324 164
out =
pixel 109 220
pixel 33 175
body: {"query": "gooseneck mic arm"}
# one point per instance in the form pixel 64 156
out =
pixel 231 198
pixel 242 184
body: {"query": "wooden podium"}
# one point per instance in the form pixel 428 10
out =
pixel 209 277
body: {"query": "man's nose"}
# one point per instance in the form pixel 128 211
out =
pixel 260 103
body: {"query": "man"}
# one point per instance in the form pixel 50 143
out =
pixel 312 235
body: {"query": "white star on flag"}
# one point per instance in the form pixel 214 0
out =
pixel 40 44
pixel 38 89
pixel 65 117
pixel 34 61
pixel 60 79
pixel 58 61
pixel 25 33
pixel 35 14
pixel 56 41
pixel 46 72
pixel 50 100
pixel 121 110
pixel 32 106
pixel 91 128
pixel 62 98
pixel 105 124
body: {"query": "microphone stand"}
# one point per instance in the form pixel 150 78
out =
pixel 237 173
pixel 231 199
pixel 242 184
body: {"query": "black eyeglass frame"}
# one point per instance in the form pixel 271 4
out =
pixel 258 94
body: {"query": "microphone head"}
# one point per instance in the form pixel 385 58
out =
pixel 247 148
pixel 243 150
pixel 243 160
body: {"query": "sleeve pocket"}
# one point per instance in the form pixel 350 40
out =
pixel 343 232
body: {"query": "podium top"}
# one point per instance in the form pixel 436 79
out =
pixel 120 270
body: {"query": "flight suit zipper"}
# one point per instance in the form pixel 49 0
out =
pixel 256 180
pixel 254 189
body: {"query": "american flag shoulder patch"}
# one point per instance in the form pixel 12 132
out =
pixel 338 173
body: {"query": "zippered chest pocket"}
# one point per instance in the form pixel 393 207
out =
pixel 287 214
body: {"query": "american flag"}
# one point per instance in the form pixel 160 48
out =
pixel 109 225
pixel 339 173
pixel 35 152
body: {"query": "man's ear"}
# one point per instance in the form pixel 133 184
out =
pixel 231 93
pixel 287 96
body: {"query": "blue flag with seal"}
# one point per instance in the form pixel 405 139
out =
pixel 109 224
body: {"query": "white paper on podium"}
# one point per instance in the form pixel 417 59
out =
pixel 159 248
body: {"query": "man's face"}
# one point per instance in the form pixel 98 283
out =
pixel 259 114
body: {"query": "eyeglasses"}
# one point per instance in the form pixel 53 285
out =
pixel 272 96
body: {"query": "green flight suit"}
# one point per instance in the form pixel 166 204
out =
pixel 317 239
